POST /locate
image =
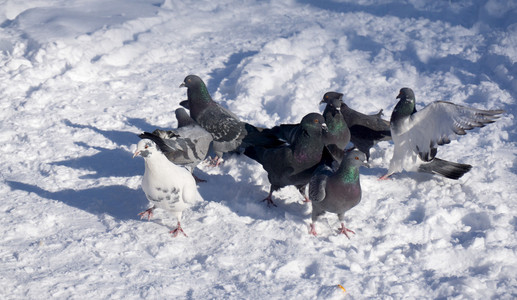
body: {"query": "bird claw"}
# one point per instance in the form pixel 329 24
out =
pixel 269 201
pixel 306 199
pixel 176 231
pixel 214 162
pixel 148 212
pixel 312 230
pixel 385 177
pixel 344 230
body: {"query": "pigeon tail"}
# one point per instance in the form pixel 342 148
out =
pixel 445 168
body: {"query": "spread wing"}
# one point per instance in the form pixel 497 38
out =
pixel 438 123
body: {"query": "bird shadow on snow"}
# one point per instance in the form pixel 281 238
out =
pixel 118 201
pixel 105 163
pixel 108 162
pixel 245 198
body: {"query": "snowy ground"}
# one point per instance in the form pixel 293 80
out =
pixel 80 78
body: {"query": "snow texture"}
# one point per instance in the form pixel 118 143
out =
pixel 80 79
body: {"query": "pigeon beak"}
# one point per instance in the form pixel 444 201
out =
pixel 324 126
pixel 366 164
pixel 399 96
pixel 322 101
pixel 182 84
pixel 136 153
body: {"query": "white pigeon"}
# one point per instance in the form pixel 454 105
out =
pixel 416 135
pixel 166 185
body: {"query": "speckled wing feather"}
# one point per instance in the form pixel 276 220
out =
pixel 437 124
pixel 318 183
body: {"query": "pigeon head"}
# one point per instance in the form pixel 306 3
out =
pixel 196 89
pixel 183 117
pixel 314 122
pixel 348 170
pixel 333 102
pixel 406 94
pixel 356 158
pixel 332 97
pixel 406 105
pixel 145 148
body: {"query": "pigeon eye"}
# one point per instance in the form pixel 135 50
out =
pixel 316 121
pixel 146 146
pixel 357 158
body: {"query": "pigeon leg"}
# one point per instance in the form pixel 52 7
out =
pixel 344 230
pixel 385 177
pixel 176 231
pixel 312 230
pixel 148 212
pixel 215 162
pixel 301 189
pixel 269 198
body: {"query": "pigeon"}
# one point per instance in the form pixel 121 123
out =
pixel 294 162
pixel 365 130
pixel 336 191
pixel 226 128
pixel 338 135
pixel 166 185
pixel 416 135
pixel 186 146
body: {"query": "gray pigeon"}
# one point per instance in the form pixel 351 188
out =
pixel 292 163
pixel 336 191
pixel 165 185
pixel 226 128
pixel 416 135
pixel 185 146
pixel 338 135
pixel 365 130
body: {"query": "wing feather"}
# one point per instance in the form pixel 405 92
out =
pixel 439 123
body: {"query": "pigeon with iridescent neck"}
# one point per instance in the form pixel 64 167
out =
pixel 226 128
pixel 365 130
pixel 336 191
pixel 294 162
pixel 338 135
pixel 417 134
pixel 167 186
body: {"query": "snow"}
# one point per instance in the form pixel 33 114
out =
pixel 79 79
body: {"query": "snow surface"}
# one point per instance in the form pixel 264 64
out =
pixel 80 78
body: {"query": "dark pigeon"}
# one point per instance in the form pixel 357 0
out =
pixel 187 145
pixel 365 130
pixel 336 191
pixel 226 128
pixel 338 135
pixel 294 162
pixel 416 135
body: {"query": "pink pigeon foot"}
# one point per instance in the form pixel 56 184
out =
pixel 344 230
pixel 176 231
pixel 148 213
pixel 312 230
pixel 269 200
pixel 385 177
pixel 215 162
